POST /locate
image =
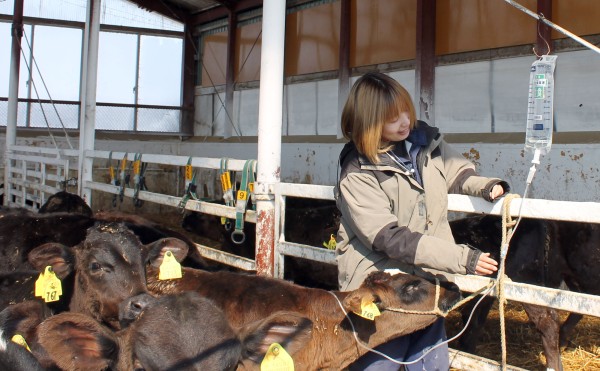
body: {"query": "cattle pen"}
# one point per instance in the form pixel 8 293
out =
pixel 227 119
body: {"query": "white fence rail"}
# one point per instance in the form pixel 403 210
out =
pixel 34 173
pixel 24 170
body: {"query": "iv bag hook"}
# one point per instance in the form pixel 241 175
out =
pixel 541 19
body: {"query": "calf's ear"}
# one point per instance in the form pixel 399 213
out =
pixel 157 250
pixel 23 318
pixel 376 278
pixel 75 341
pixel 353 302
pixel 289 329
pixel 59 256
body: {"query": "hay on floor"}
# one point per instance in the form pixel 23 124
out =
pixel 524 342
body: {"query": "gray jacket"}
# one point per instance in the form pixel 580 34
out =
pixel 390 220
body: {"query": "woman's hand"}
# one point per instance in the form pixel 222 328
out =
pixel 486 265
pixel 496 192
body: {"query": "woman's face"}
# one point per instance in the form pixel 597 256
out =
pixel 396 130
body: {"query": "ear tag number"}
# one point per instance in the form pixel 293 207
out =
pixel 368 310
pixel 20 340
pixel 170 268
pixel 277 359
pixel 52 289
pixel 48 286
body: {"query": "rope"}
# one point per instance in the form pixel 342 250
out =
pixel 508 227
pixel 436 310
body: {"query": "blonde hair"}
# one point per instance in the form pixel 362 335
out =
pixel 374 100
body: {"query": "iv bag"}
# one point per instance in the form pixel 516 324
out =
pixel 540 108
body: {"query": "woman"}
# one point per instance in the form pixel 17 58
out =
pixel 396 173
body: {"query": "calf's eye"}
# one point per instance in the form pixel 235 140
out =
pixel 412 292
pixel 95 266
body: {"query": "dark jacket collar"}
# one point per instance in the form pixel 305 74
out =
pixel 423 134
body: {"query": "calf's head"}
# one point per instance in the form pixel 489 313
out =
pixel 414 301
pixel 106 268
pixel 66 202
pixel 172 332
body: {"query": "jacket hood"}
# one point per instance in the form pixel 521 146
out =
pixel 348 148
pixel 423 134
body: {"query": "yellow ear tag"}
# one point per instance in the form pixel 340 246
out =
pixel 277 359
pixel 40 283
pixel 170 268
pixel 331 243
pixel 368 310
pixel 223 220
pixel 53 287
pixel 20 340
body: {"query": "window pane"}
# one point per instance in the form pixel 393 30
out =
pixel 55 116
pixel 5 40
pixel 22 108
pixel 160 71
pixel 116 68
pixel 57 62
pixel 68 10
pixel 114 118
pixel 161 120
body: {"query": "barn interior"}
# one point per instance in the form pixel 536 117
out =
pixel 260 86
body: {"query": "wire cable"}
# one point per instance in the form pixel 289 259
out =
pixel 46 88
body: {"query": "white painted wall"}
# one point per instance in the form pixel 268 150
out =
pixel 568 172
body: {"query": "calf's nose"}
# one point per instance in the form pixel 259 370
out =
pixel 130 309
